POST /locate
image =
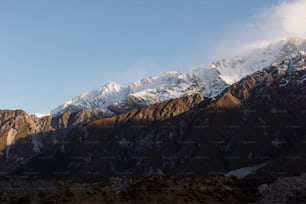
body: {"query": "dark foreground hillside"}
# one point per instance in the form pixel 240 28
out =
pixel 123 190
pixel 158 189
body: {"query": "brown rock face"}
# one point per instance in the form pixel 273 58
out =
pixel 228 101
pixel 18 124
pixel 22 136
pixel 153 113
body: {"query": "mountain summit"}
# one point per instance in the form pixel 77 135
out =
pixel 210 80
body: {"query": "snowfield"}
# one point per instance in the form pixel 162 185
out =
pixel 210 80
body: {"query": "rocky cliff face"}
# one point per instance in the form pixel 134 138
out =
pixel 22 136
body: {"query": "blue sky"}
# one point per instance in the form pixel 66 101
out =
pixel 51 50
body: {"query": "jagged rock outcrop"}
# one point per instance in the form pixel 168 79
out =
pixel 22 136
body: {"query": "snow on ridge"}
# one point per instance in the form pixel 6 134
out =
pixel 257 57
pixel 210 79
pixel 41 115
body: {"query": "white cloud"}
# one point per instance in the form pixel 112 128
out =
pixel 286 19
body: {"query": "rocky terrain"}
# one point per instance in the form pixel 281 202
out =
pixel 22 136
pixel 157 189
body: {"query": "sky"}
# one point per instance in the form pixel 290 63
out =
pixel 52 50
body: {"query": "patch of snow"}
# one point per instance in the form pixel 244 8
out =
pixel 41 115
pixel 245 171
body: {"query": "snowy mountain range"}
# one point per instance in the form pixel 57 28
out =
pixel 261 120
pixel 210 80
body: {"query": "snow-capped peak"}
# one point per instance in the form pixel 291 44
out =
pixel 210 79
pixel 100 98
pixel 41 115
pixel 110 87
pixel 256 57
